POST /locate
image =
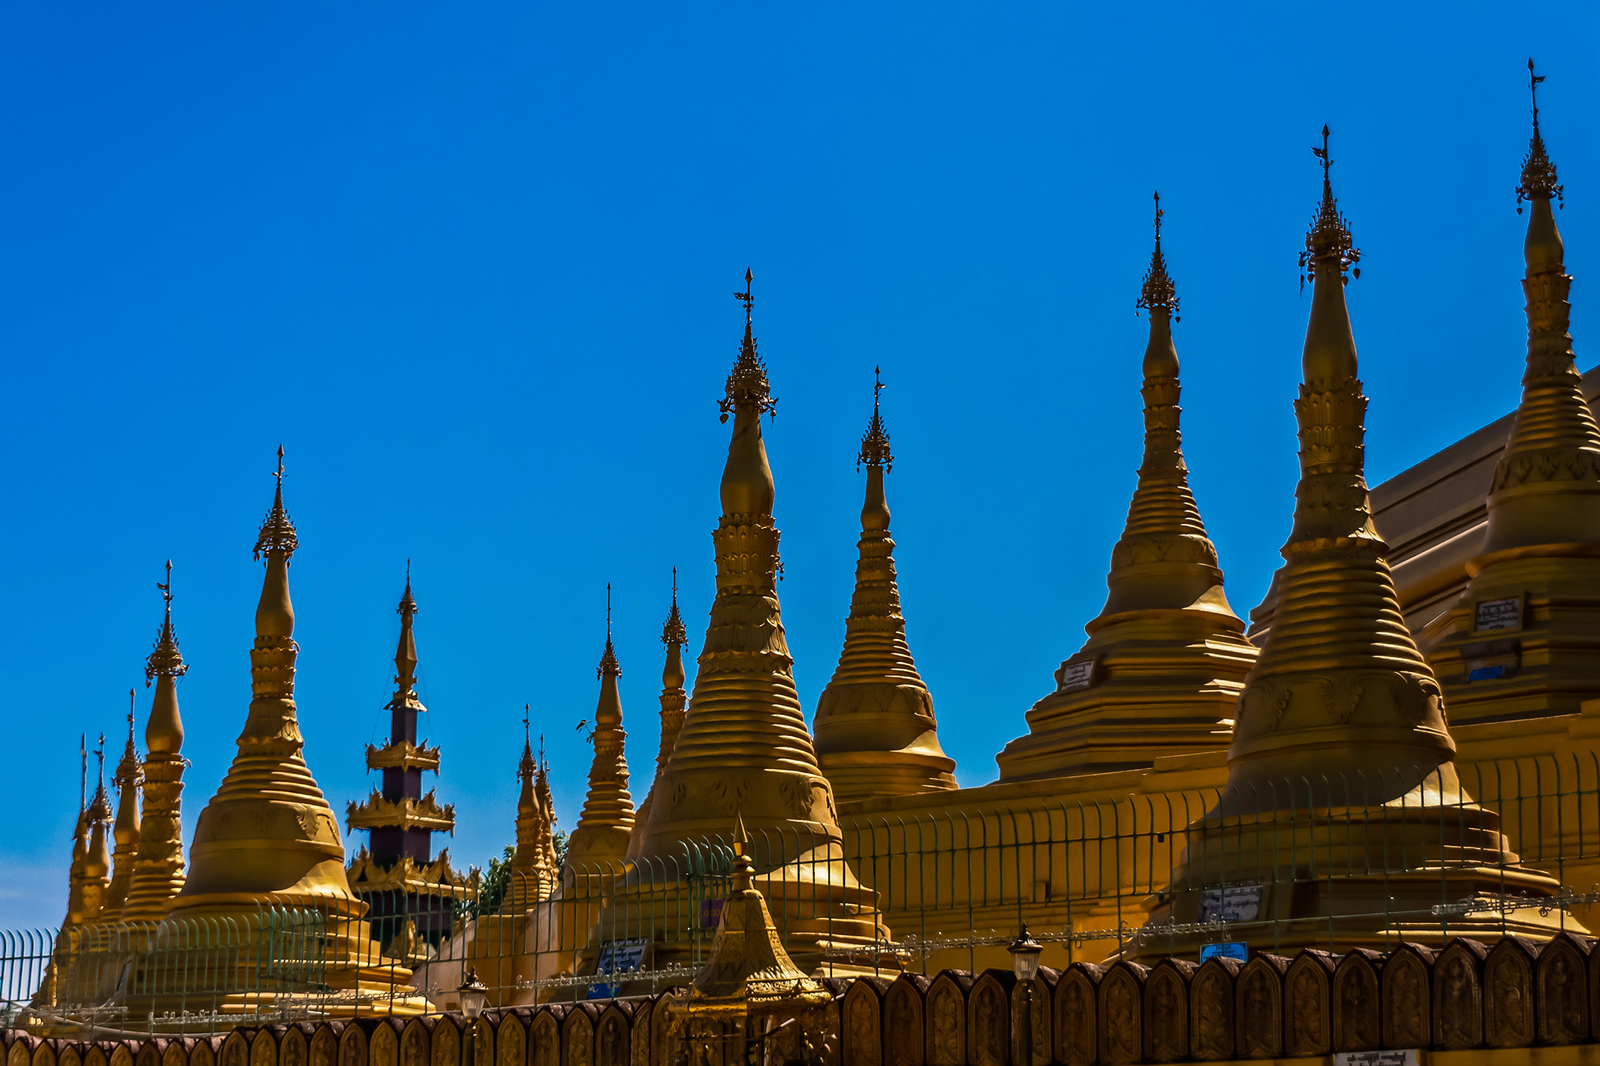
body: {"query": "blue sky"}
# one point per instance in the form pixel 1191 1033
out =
pixel 472 267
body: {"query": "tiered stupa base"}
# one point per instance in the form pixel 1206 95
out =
pixel 1159 685
pixel 1351 877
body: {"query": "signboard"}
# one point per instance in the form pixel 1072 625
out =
pixel 1408 1057
pixel 1230 950
pixel 1235 903
pixel 710 912
pixel 616 956
pixel 1075 675
pixel 1498 614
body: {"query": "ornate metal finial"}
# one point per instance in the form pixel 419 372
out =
pixel 526 767
pixel 673 633
pixel 1329 239
pixel 747 381
pixel 100 808
pixel 130 717
pixel 408 605
pixel 1538 173
pixel 277 531
pixel 83 772
pixel 875 442
pixel 165 658
pixel 1157 293
pixel 608 661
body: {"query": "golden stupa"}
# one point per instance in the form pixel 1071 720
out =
pixel 1342 810
pixel 1524 638
pixel 125 830
pixel 1166 657
pixel 158 872
pixel 534 868
pixel 674 703
pixel 875 730
pixel 599 841
pixel 744 747
pixel 268 837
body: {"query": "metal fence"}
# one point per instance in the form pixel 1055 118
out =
pixel 1331 861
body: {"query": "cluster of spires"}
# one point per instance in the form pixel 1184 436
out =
pixel 1164 581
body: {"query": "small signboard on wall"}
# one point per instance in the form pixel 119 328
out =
pixel 1233 903
pixel 1231 950
pixel 1397 1057
pixel 1498 614
pixel 1075 674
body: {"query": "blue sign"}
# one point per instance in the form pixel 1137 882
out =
pixel 1230 950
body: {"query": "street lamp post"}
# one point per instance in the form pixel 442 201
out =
pixel 1025 964
pixel 473 995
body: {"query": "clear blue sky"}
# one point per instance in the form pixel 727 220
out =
pixel 471 265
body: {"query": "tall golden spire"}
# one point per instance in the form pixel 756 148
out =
pixel 1340 687
pixel 268 830
pixel 600 839
pixel 97 858
pixel 126 828
pixel 80 840
pixel 1506 649
pixel 268 837
pixel 533 863
pixel 673 700
pixel 157 874
pixel 1166 657
pixel 744 744
pixel 875 730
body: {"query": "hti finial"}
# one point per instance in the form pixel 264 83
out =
pixel 277 531
pixel 747 384
pixel 526 739
pixel 130 716
pixel 608 661
pixel 1157 293
pixel 875 442
pixel 166 588
pixel 165 657
pixel 673 633
pixel 608 612
pixel 1538 173
pixel 100 760
pixel 1329 239
pixel 83 772
pixel 745 298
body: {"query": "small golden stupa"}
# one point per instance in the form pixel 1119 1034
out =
pixel 268 837
pixel 875 730
pixel 534 868
pixel 1524 639
pixel 158 873
pixel 599 841
pixel 1166 657
pixel 1340 777
pixel 744 746
pixel 86 888
pixel 125 830
pixel 674 701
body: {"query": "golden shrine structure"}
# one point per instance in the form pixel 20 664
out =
pixel 1363 822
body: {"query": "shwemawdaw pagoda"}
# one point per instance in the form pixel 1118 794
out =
pixel 1362 817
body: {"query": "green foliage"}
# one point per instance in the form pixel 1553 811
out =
pixel 495 883
pixel 560 837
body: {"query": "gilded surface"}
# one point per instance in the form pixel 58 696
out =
pixel 876 734
pixel 1166 657
pixel 600 839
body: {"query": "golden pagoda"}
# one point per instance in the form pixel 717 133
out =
pixel 534 867
pixel 1166 657
pixel 86 887
pixel 125 830
pixel 158 876
pixel 875 731
pixel 411 893
pixel 268 838
pixel 80 843
pixel 674 701
pixel 600 839
pixel 1524 639
pixel 744 746
pixel 1340 776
